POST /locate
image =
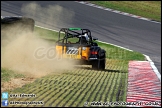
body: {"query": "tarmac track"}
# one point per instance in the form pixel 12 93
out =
pixel 132 33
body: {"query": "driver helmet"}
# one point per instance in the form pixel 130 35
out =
pixel 86 36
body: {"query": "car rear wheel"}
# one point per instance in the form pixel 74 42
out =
pixel 98 64
pixel 94 64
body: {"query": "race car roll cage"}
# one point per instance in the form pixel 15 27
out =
pixel 72 32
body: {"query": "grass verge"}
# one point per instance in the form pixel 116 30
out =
pixel 113 52
pixel 75 87
pixel 7 74
pixel 147 9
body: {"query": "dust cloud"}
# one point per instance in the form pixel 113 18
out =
pixel 29 54
pixel 48 15
pixel 26 52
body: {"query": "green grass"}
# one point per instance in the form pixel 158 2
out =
pixel 46 34
pixel 73 88
pixel 7 74
pixel 147 9
pixel 113 52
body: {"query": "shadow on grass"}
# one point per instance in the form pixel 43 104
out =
pixel 106 70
